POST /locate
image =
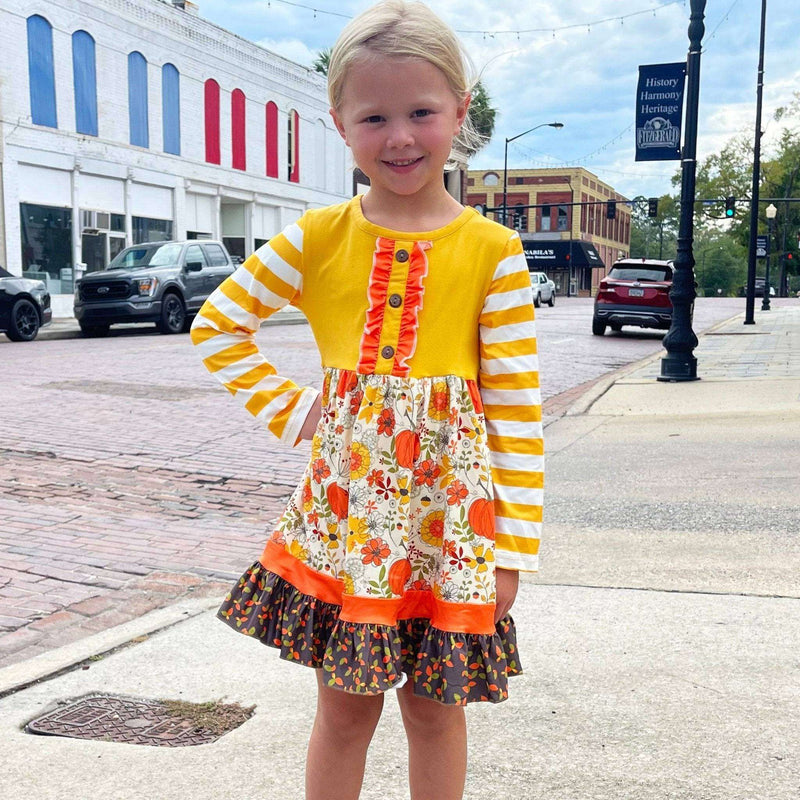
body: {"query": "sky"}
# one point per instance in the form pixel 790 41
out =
pixel 575 62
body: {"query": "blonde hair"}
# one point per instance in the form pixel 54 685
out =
pixel 398 29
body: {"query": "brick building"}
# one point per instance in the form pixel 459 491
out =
pixel 567 233
pixel 136 120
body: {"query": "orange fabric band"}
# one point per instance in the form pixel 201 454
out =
pixel 455 617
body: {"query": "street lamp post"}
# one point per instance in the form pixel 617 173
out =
pixel 557 125
pixel 771 213
pixel 680 364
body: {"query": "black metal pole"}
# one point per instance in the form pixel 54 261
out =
pixel 750 293
pixel 680 364
pixel 505 182
pixel 765 301
pixel 782 291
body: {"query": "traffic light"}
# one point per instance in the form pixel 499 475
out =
pixel 730 206
pixel 652 207
pixel 611 209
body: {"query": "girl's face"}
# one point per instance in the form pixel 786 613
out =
pixel 399 117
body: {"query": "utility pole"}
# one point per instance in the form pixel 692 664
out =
pixel 750 294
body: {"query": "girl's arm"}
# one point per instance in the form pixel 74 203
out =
pixel 225 327
pixel 509 387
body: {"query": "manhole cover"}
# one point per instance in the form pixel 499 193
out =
pixel 163 723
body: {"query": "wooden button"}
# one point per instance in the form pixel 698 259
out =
pixel 387 352
pixel 401 256
pixel 395 301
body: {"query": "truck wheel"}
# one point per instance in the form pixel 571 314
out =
pixel 173 314
pixel 598 327
pixel 552 301
pixel 24 321
pixel 537 300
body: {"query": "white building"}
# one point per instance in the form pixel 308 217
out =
pixel 124 121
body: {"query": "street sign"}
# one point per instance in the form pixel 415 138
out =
pixel 762 246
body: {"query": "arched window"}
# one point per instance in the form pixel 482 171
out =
pixel 238 130
pixel 212 121
pixel 491 179
pixel 294 146
pixel 320 162
pixel 171 108
pixel 137 100
pixel 272 139
pixel 41 75
pixel 84 79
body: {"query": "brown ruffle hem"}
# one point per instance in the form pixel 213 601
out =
pixel 365 658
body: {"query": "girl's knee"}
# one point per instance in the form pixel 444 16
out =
pixel 348 715
pixel 421 713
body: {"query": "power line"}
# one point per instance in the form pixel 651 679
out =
pixel 553 30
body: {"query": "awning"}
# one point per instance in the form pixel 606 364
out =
pixel 542 255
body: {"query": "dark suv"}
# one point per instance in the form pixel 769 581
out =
pixel 635 292
pixel 161 282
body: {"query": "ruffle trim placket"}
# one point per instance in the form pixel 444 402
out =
pixel 368 658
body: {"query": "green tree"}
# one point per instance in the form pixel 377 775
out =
pixel 482 114
pixel 729 174
pixel 654 237
pixel 322 61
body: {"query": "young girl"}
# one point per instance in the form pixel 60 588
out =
pixel 396 561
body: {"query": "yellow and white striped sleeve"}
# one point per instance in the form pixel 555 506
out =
pixel 509 387
pixel 225 327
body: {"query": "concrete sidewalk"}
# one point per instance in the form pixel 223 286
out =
pixel 659 639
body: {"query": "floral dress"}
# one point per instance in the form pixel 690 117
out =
pixel 426 466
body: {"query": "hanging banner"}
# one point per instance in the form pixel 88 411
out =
pixel 659 111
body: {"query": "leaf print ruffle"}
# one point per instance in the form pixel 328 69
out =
pixel 368 658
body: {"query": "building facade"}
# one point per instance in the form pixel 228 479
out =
pixel 123 121
pixel 563 219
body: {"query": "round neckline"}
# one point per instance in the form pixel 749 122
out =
pixel 391 233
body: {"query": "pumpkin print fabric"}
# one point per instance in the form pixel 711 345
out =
pixel 394 517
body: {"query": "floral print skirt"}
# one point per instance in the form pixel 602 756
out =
pixel 382 564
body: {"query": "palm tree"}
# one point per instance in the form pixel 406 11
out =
pixel 322 61
pixel 482 114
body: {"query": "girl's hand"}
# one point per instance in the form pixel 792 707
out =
pixel 311 422
pixel 507 585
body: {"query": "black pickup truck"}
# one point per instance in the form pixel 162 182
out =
pixel 161 282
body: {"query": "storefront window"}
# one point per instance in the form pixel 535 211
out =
pixel 47 245
pixel 151 230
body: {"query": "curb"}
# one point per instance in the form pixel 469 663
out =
pixel 67 327
pixel 63 659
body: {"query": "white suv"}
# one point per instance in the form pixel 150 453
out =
pixel 544 290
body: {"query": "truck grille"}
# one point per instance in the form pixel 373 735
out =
pixel 105 290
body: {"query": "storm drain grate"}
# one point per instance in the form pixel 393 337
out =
pixel 133 720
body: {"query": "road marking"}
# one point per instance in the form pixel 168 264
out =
pixel 563 341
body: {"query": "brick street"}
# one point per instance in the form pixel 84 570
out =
pixel 129 479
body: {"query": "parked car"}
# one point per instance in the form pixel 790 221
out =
pixel 635 292
pixel 544 290
pixel 759 289
pixel 161 282
pixel 24 307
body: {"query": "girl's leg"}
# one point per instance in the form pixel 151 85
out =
pixel 337 749
pixel 437 746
